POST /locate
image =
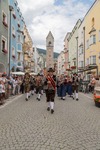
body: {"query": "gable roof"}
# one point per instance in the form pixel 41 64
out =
pixel 49 34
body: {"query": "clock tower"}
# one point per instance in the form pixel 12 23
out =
pixel 50 51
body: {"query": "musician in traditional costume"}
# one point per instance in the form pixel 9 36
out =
pixel 32 85
pixel 27 85
pixel 50 89
pixel 69 87
pixel 62 87
pixel 38 84
pixel 75 84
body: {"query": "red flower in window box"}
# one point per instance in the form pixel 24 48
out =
pixel 5 24
pixel 14 16
pixel 68 69
pixel 13 35
pixel 73 67
pixel 5 51
pixel 13 56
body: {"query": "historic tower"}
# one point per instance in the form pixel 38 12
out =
pixel 49 51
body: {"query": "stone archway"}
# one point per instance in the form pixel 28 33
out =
pixel 2 68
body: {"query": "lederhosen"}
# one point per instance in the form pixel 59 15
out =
pixel 38 86
pixel 51 89
pixel 32 83
pixel 27 84
pixel 75 84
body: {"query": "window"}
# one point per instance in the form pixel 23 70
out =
pixel 4 45
pixel 19 47
pixel 13 32
pixel 99 35
pixel 81 64
pixel 18 55
pixel 4 19
pixel 13 51
pixel 81 50
pixel 92 39
pixel 93 59
pixel 82 35
pixel 87 44
pixel 19 38
pixel 87 61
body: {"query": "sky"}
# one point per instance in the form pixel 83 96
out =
pixel 57 16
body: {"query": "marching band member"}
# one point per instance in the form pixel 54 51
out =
pixel 75 84
pixel 32 85
pixel 39 84
pixel 27 85
pixel 50 89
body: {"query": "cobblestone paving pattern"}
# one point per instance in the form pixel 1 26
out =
pixel 75 125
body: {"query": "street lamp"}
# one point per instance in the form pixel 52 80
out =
pixel 10 9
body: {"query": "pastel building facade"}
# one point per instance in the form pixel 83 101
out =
pixel 28 51
pixel 66 50
pixel 4 42
pixel 92 39
pixel 81 48
pixel 73 47
pixel 16 37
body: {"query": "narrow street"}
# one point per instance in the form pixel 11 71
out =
pixel 75 125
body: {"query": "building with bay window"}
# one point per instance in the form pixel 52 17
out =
pixel 92 39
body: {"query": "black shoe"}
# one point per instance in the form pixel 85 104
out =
pixel 26 99
pixel 63 99
pixel 28 96
pixel 48 109
pixel 38 99
pixel 77 99
pixel 52 111
pixel 73 98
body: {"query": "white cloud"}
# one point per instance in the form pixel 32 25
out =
pixel 42 16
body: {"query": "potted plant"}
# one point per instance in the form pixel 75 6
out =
pixel 97 96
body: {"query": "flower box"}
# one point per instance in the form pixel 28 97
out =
pixel 5 24
pixel 97 97
pixel 13 56
pixel 68 69
pixel 73 67
pixel 5 51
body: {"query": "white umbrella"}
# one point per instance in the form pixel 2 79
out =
pixel 18 73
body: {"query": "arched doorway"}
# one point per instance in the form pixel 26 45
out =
pixel 2 68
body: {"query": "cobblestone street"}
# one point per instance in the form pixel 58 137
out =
pixel 75 125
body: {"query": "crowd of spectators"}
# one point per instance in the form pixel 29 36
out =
pixel 10 86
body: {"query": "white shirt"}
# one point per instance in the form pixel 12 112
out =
pixel 1 88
